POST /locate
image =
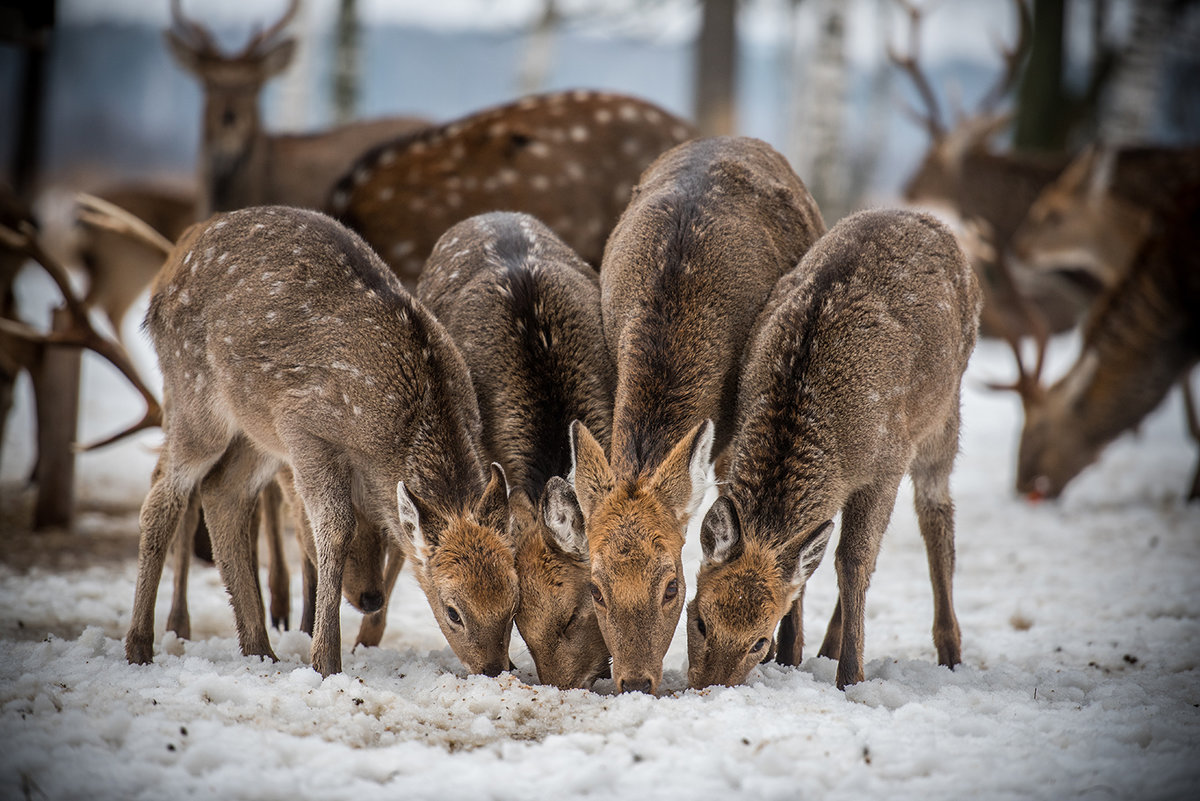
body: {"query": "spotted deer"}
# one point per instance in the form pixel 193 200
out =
pixel 712 226
pixel 524 310
pixel 241 164
pixel 852 382
pixel 283 339
pixel 1132 215
pixel 568 158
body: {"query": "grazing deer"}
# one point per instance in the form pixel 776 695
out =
pixel 711 227
pixel 1131 215
pixel 852 382
pixel 240 163
pixel 569 158
pixel 525 312
pixel 283 339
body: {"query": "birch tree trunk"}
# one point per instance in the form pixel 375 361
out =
pixel 716 68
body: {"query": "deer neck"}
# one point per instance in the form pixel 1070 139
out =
pixel 237 178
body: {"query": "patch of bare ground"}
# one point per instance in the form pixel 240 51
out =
pixel 100 535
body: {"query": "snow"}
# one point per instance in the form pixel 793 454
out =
pixel 1081 641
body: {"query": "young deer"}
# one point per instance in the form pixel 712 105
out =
pixel 1133 215
pixel 284 340
pixel 851 383
pixel 569 158
pixel 712 226
pixel 240 163
pixel 525 312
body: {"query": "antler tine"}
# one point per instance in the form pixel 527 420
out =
pixel 99 213
pixel 932 120
pixel 1013 58
pixel 197 36
pixel 1027 384
pixel 261 40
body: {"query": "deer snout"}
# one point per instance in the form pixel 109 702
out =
pixel 495 667
pixel 638 685
pixel 370 601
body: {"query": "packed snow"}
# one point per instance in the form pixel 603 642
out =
pixel 1081 646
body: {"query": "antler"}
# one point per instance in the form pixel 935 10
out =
pixel 260 41
pixel 1028 384
pixel 1013 58
pixel 99 213
pixel 81 333
pixel 932 119
pixel 195 35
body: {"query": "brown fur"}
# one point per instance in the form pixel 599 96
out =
pixel 525 312
pixel 853 382
pixel 568 158
pixel 283 339
pixel 712 226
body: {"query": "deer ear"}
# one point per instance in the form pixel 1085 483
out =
pixel 417 516
pixel 590 473
pixel 277 59
pixel 561 513
pixel 721 532
pixel 492 509
pixel 685 475
pixel 802 555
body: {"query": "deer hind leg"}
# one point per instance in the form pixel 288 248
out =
pixel 935 514
pixel 1193 424
pixel 179 621
pixel 370 631
pixel 864 519
pixel 229 494
pixel 831 646
pixel 270 503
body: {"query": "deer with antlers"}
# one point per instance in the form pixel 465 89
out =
pixel 568 158
pixel 1132 215
pixel 241 164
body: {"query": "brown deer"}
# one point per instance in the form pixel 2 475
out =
pixel 240 163
pixel 1131 215
pixel 569 158
pixel 524 310
pixel 712 226
pixel 852 382
pixel 283 339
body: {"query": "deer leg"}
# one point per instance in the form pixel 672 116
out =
pixel 370 631
pixel 864 519
pixel 789 644
pixel 178 620
pixel 270 501
pixel 831 646
pixel 1193 424
pixel 935 515
pixel 229 494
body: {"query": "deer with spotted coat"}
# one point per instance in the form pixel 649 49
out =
pixel 712 226
pixel 568 158
pixel 851 382
pixel 524 310
pixel 283 339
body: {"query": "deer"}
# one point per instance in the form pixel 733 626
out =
pixel 854 381
pixel 284 340
pixel 712 226
pixel 524 309
pixel 568 158
pixel 1131 215
pixel 240 163
pixel 985 193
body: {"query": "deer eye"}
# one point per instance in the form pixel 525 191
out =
pixel 454 616
pixel 759 645
pixel 700 627
pixel 671 591
pixel 597 596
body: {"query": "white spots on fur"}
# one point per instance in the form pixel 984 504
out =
pixel 339 199
pixel 387 156
pixel 540 182
pixel 603 116
pixel 627 112
pixel 227 340
pixel 652 116
pixel 528 103
pixel 188 258
pixel 579 133
pixel 357 410
pixel 220 224
pixel 497 129
pixel 346 399
pixel 271 315
pixel 277 287
pixel 185 298
pixel 538 149
pixel 507 175
pixel 574 170
pixel 416 205
pixel 631 146
pixel 402 249
pixel 386 194
pixel 621 193
pixel 360 176
pixel 296 251
pixel 418 147
pixel 453 200
pixel 581 95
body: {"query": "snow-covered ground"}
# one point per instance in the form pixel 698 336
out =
pixel 1081 641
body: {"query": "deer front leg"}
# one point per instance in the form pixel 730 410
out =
pixel 789 644
pixel 1193 424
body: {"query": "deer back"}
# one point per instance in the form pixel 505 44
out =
pixel 525 312
pixel 569 158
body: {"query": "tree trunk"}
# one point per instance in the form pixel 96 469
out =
pixel 1041 102
pixel 56 390
pixel 716 63
pixel 346 72
pixel 538 57
pixel 821 158
pixel 1137 84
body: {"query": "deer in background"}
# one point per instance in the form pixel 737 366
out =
pixel 712 226
pixel 569 158
pixel 852 382
pixel 986 193
pixel 524 310
pixel 1131 215
pixel 240 163
pixel 283 339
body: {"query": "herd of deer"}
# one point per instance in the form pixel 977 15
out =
pixel 534 338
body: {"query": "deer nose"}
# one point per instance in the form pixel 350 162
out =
pixel 370 601
pixel 635 685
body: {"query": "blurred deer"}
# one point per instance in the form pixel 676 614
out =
pixel 712 226
pixel 569 158
pixel 240 163
pixel 525 311
pixel 283 339
pixel 852 382
pixel 1132 216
